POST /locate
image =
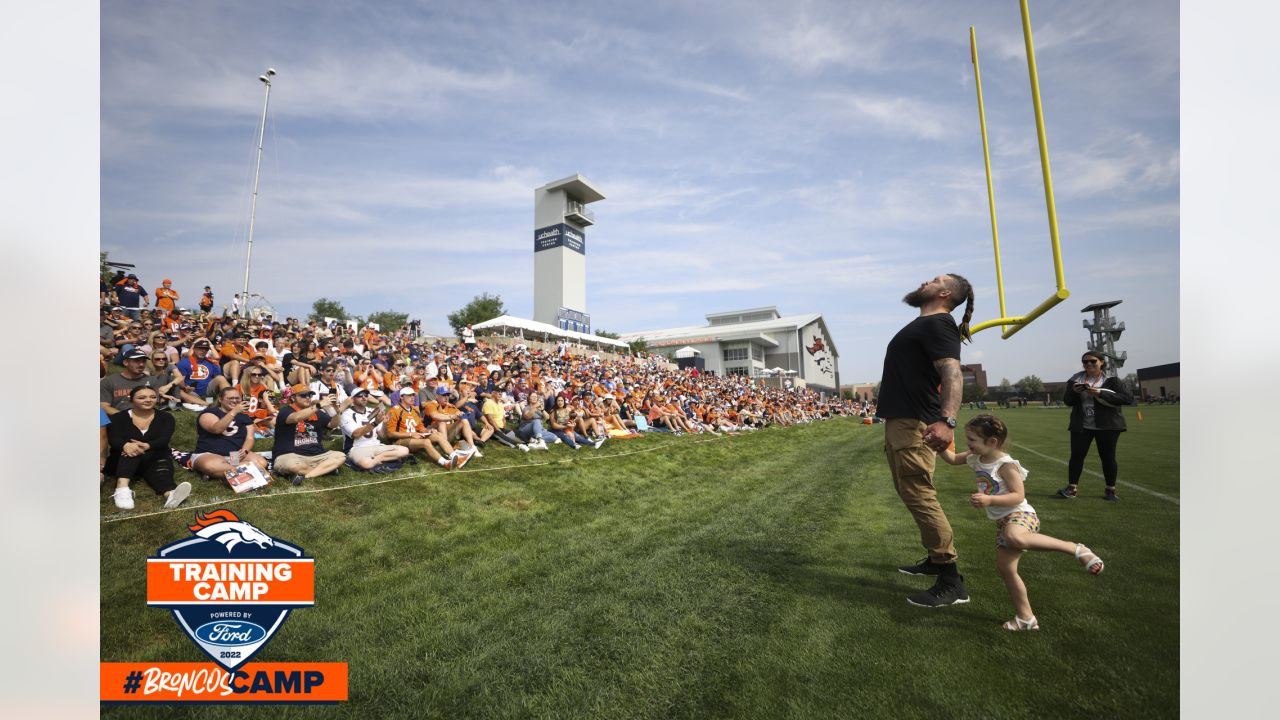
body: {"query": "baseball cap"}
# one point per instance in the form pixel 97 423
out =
pixel 300 389
pixel 442 390
pixel 202 342
pixel 135 354
pixel 359 392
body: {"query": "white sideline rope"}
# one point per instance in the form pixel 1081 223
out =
pixel 1135 486
pixel 441 473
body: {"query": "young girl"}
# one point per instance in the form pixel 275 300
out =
pixel 1000 492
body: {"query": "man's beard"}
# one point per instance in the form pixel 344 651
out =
pixel 916 298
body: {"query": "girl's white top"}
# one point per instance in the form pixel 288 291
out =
pixel 990 483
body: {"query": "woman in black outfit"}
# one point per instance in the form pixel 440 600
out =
pixel 138 447
pixel 1095 401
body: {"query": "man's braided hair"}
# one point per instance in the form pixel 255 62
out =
pixel 961 287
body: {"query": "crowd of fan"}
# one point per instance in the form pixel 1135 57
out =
pixel 389 395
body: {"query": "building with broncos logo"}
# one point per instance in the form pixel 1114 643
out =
pixel 755 342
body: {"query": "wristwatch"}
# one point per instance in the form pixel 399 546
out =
pixel 950 421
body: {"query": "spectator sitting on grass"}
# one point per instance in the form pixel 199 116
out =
pixel 562 422
pixel 114 390
pixel 532 418
pixel 263 357
pixel 448 419
pixel 224 436
pixel 166 379
pixel 360 424
pixel 404 426
pixel 494 419
pixel 298 448
pixel 300 366
pixel 138 442
pixel 253 386
pixel 201 376
pixel 326 384
pixel 234 356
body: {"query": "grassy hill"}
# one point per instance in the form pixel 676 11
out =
pixel 747 576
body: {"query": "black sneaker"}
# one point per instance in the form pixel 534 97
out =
pixel 1067 492
pixel 924 567
pixel 1110 495
pixel 946 591
pixel 296 479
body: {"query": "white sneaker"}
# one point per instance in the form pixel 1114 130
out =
pixel 557 442
pixel 124 498
pixel 193 407
pixel 522 447
pixel 178 494
pixel 476 450
pixel 599 442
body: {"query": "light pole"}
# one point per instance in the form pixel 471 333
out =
pixel 253 204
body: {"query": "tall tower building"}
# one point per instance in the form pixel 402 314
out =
pixel 560 219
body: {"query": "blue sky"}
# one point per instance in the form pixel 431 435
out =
pixel 820 157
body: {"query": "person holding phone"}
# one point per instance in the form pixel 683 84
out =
pixel 360 424
pixel 1095 399
pixel 224 436
pixel 298 447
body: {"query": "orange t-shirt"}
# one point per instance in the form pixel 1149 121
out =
pixel 165 298
pixel 229 351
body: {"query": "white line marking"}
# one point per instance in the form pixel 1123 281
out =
pixel 441 473
pixel 1135 486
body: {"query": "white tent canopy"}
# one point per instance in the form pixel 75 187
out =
pixel 511 322
pixel 688 352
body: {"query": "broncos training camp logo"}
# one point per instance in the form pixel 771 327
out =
pixel 230 585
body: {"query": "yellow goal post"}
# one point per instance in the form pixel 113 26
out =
pixel 1013 324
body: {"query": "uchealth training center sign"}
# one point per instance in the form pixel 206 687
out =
pixel 230 587
pixel 560 235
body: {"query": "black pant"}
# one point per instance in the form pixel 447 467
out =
pixel 153 466
pixel 1107 440
pixel 505 438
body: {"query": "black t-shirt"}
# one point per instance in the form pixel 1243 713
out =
pixel 909 385
pixel 304 438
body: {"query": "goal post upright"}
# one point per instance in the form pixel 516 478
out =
pixel 1012 325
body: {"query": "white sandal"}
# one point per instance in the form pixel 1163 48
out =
pixel 1018 623
pixel 1089 559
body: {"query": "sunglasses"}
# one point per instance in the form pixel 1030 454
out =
pixel 1090 362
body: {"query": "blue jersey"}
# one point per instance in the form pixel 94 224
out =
pixel 198 375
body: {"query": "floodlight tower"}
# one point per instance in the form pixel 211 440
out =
pixel 560 219
pixel 253 204
pixel 1103 333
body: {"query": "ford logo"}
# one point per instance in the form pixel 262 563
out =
pixel 231 634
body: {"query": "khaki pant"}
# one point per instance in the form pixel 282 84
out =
pixel 295 464
pixel 911 464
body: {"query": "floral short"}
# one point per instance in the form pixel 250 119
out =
pixel 1028 520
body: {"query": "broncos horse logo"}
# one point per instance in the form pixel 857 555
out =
pixel 817 346
pixel 223 526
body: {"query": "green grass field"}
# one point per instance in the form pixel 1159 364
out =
pixel 749 576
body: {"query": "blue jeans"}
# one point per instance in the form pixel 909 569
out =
pixel 570 438
pixel 533 429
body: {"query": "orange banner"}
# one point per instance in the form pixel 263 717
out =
pixel 248 582
pixel 208 683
